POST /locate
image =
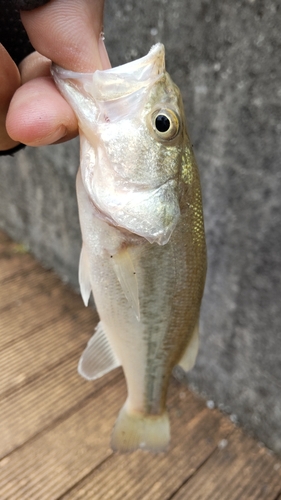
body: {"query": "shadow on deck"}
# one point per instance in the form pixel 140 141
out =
pixel 55 427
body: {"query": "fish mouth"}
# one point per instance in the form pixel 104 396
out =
pixel 150 213
pixel 118 81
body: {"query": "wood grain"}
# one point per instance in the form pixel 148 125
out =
pixel 55 427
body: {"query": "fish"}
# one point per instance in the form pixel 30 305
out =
pixel 143 253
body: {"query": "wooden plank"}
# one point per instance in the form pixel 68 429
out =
pixel 53 462
pixel 4 238
pixel 13 260
pixel 26 317
pixel 27 302
pixel 238 470
pixel 55 427
pixel 50 345
pixel 15 265
pixel 25 285
pixel 27 412
pixel 196 432
pixel 45 467
pixel 9 246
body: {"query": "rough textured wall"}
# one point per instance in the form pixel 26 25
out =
pixel 225 56
pixel 38 204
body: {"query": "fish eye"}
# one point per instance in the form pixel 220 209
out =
pixel 162 123
pixel 165 124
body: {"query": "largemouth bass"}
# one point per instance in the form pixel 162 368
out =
pixel 143 253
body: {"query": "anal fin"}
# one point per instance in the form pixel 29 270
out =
pixel 126 275
pixel 188 359
pixel 98 358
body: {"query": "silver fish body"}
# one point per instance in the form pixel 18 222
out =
pixel 143 253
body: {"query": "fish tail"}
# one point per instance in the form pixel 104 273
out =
pixel 135 430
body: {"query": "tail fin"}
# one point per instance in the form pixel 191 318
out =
pixel 134 430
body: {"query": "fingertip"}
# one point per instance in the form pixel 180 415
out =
pixel 38 114
pixel 67 32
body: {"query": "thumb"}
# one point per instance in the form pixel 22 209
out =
pixel 68 33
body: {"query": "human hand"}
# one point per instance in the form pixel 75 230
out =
pixel 9 82
pixel 68 33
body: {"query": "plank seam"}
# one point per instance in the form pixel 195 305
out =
pixel 29 333
pixel 23 272
pixel 110 457
pixel 41 373
pixel 199 467
pixel 25 298
pixel 33 331
pixel 64 416
pixel 278 496
pixel 192 422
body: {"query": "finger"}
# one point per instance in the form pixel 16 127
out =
pixel 33 66
pixel 38 114
pixel 9 82
pixel 67 32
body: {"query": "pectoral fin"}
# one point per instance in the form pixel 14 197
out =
pixel 188 359
pixel 126 274
pixel 98 358
pixel 84 276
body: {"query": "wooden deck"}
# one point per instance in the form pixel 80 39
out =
pixel 55 427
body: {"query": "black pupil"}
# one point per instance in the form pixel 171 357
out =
pixel 162 123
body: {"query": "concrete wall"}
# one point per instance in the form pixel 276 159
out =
pixel 225 56
pixel 38 204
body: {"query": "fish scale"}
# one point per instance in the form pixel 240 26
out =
pixel 143 254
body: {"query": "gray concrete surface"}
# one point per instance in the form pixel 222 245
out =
pixel 225 56
pixel 38 205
